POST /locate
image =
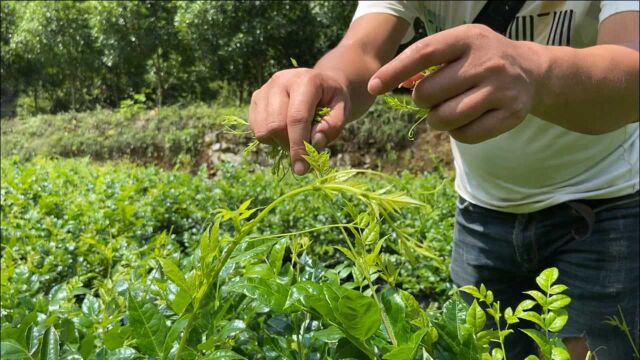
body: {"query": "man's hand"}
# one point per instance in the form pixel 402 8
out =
pixel 486 87
pixel 282 111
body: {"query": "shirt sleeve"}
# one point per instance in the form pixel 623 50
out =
pixel 403 9
pixel 608 8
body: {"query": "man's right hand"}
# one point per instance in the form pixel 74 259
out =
pixel 282 111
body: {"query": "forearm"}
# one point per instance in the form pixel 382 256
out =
pixel 592 90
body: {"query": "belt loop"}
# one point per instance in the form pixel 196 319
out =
pixel 587 213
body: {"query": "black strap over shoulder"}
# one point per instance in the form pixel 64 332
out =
pixel 498 14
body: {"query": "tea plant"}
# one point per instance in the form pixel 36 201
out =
pixel 551 319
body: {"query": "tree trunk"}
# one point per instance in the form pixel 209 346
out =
pixel 158 82
pixel 35 98
pixel 73 95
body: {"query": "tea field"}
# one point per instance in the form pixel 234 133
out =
pixel 122 261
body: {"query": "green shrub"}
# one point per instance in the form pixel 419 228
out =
pixel 66 218
pixel 176 133
pixel 158 137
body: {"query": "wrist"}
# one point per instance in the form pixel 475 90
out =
pixel 537 68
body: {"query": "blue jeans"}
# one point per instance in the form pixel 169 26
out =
pixel 594 245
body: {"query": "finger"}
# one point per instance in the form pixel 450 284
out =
pixel 442 85
pixel 302 105
pixel 487 126
pixel 462 109
pixel 257 111
pixel 325 132
pixel 440 48
pixel 276 118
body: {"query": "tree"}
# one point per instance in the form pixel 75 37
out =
pixel 8 58
pixel 245 42
pixel 57 38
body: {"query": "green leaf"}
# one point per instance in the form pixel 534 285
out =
pixel 174 273
pixel 307 294
pixel 557 302
pixel 209 243
pixel 345 349
pixel 395 309
pixel 546 279
pixel 489 297
pixel 532 316
pixel 413 310
pixel 557 288
pixel 497 354
pixel 348 254
pixel 148 326
pixel 277 254
pixel 538 296
pixel 359 315
pixel 556 320
pixel 260 251
pixel 455 337
pixel 50 348
pixel 91 306
pixel 558 353
pixel 402 352
pixel 408 350
pixel 173 334
pixel 538 337
pixel 68 334
pixel 332 334
pixel 472 290
pixel 523 306
pixel 293 62
pixel 87 345
pixel 319 161
pixel 509 316
pixel 11 350
pixel 181 301
pixel 476 318
pixel 114 338
pixel 271 294
pixel 225 354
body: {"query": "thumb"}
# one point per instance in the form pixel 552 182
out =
pixel 331 125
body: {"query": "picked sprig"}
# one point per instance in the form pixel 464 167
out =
pixel 403 105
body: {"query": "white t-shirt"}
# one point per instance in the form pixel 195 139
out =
pixel 537 164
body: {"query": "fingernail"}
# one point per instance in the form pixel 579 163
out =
pixel 375 86
pixel 319 141
pixel 299 168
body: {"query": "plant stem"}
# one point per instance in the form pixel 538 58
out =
pixel 298 232
pixel 497 319
pixel 625 329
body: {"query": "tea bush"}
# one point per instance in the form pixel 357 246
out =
pixel 118 261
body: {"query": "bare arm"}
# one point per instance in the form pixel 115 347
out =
pixel 592 90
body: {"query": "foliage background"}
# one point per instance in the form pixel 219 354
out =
pixel 75 55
